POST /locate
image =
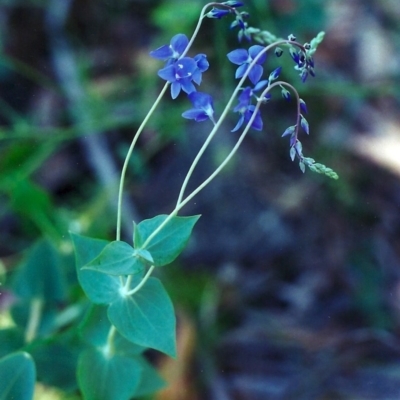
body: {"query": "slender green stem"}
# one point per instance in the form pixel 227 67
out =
pixel 35 314
pixel 142 282
pixel 128 283
pixel 128 156
pixel 222 165
pixel 181 203
pixel 240 140
pixel 199 22
pixel 108 348
pixel 293 89
pixel 139 131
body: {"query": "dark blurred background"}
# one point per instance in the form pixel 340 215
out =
pixel 290 286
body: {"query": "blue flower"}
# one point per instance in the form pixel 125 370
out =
pixel 202 66
pixel 243 58
pixel 182 72
pixel 246 110
pixel 172 51
pixel 203 107
pixel 180 75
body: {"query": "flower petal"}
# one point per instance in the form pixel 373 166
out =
pixel 255 73
pixel 202 62
pixel 254 50
pixel 179 43
pixel 241 71
pixel 175 89
pixel 167 73
pixel 162 53
pixel 187 85
pixel 239 124
pixel 196 114
pixel 238 56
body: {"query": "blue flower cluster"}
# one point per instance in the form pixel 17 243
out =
pixel 179 71
pixel 182 72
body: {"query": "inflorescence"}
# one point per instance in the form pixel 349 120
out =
pixel 182 72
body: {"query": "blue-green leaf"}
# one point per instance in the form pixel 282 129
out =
pixel 40 275
pixel 146 318
pixel 107 377
pixel 11 339
pixel 95 329
pixel 150 380
pixel 117 258
pixel 17 377
pixel 56 360
pixel 100 288
pixel 167 244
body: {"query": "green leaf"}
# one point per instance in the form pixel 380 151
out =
pixel 56 361
pixel 11 339
pixel 22 311
pixel 104 377
pixel 34 203
pixel 117 258
pixel 146 318
pixel 40 275
pixel 167 244
pixel 150 380
pixel 17 377
pixel 95 328
pixel 100 288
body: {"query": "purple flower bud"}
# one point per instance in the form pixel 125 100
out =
pixel 232 3
pixel 292 153
pixel 289 131
pixel 285 94
pixel 278 51
pixel 295 55
pixel 275 74
pixel 299 148
pixel 304 124
pixel 303 106
pixel 303 75
pixel 217 13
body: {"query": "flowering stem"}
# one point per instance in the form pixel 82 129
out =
pixel 181 202
pixel 223 164
pixel 293 89
pixel 139 131
pixel 128 156
pixel 225 112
